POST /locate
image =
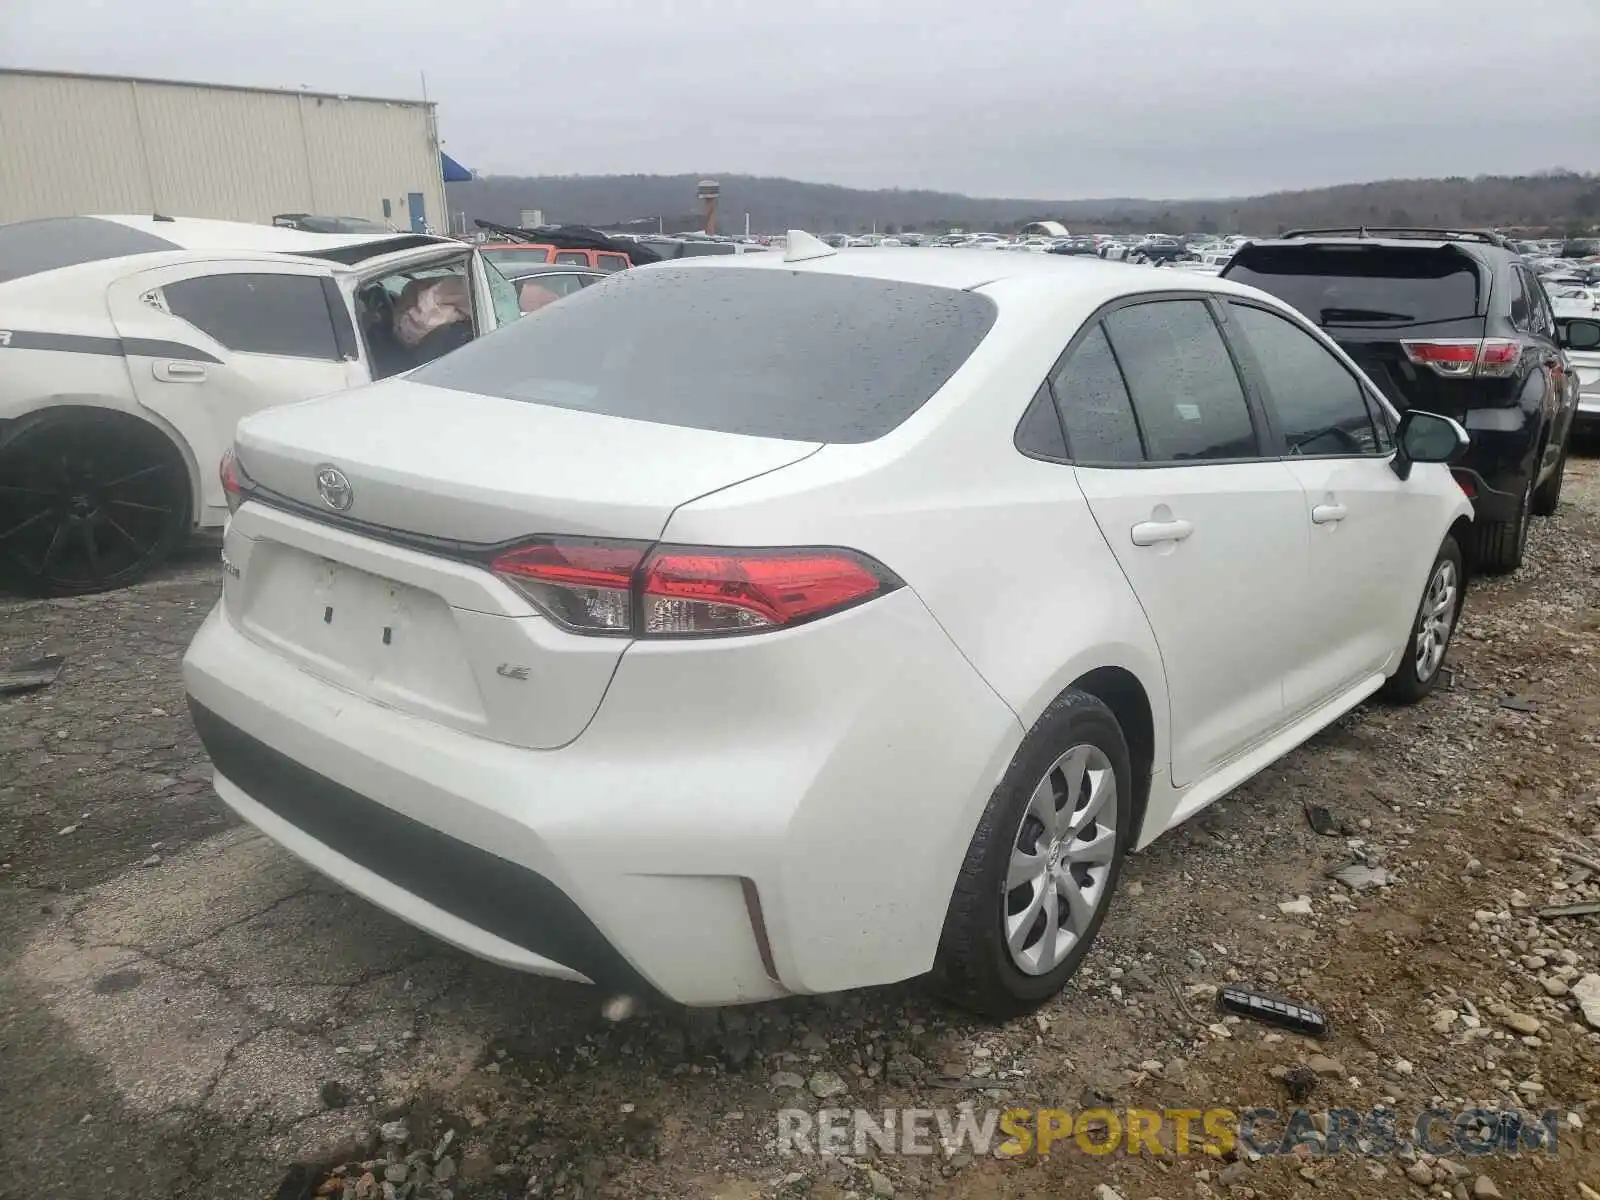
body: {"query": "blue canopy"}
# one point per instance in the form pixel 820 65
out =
pixel 454 172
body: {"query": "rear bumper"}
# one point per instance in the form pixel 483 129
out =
pixel 737 823
pixel 1500 458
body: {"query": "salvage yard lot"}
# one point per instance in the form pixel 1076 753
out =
pixel 185 1011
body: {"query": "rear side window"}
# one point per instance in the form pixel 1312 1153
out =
pixel 285 315
pixel 768 353
pixel 1371 286
pixel 1319 403
pixel 572 258
pixel 611 262
pixel 1094 404
pixel 1039 432
pixel 1186 392
pixel 32 247
pixel 1521 302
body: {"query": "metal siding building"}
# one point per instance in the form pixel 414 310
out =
pixel 76 144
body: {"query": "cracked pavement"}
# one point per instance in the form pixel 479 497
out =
pixel 178 997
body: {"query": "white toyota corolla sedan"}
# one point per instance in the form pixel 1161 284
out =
pixel 760 625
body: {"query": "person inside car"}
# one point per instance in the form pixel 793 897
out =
pixel 433 317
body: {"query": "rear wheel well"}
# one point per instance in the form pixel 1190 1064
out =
pixel 1121 692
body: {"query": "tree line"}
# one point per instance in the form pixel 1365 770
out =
pixel 1554 202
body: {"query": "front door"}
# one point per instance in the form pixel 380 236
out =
pixel 210 342
pixel 1367 553
pixel 1209 533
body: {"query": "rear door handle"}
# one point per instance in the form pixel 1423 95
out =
pixel 1150 533
pixel 179 372
pixel 1328 514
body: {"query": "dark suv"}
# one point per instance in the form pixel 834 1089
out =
pixel 1451 322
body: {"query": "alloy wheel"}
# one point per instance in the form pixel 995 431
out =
pixel 1061 860
pixel 1436 619
pixel 81 508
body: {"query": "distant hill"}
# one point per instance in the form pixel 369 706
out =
pixel 1557 201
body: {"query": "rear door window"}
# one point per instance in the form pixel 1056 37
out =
pixel 285 315
pixel 1352 285
pixel 1095 407
pixel 573 258
pixel 803 356
pixel 1186 392
pixel 1320 406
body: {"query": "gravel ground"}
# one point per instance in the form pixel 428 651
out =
pixel 187 1012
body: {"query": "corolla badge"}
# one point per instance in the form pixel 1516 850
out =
pixel 333 488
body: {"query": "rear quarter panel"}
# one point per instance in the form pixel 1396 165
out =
pixel 1002 548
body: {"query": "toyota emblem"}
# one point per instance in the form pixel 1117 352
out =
pixel 334 489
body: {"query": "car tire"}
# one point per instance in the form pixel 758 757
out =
pixel 1498 546
pixel 1547 496
pixel 1432 628
pixel 1003 952
pixel 93 499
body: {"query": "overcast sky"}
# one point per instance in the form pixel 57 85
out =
pixel 1051 99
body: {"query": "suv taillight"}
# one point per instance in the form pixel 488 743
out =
pixel 236 485
pixel 634 589
pixel 1464 358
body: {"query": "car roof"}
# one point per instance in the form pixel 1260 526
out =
pixel 202 233
pixel 966 271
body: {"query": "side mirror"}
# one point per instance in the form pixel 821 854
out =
pixel 1426 437
pixel 1579 334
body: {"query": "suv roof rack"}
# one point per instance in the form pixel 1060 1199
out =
pixel 1487 236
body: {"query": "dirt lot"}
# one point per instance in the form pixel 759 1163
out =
pixel 187 1012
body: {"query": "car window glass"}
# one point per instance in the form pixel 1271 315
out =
pixel 1040 429
pixel 258 314
pixel 502 294
pixel 1544 320
pixel 1382 423
pixel 1186 392
pixel 806 356
pixel 1349 285
pixel 1521 310
pixel 573 258
pixel 1319 403
pixel 1095 408
pixel 412 316
pixel 611 262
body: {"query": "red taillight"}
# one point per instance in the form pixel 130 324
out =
pixel 1461 358
pixel 586 586
pixel 1466 483
pixel 235 483
pixel 676 591
pixel 718 591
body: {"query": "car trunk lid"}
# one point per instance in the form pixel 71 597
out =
pixel 484 469
pixel 392 599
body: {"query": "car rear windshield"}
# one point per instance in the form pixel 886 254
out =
pixel 32 247
pixel 768 353
pixel 1352 285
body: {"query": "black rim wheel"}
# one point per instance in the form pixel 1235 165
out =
pixel 86 503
